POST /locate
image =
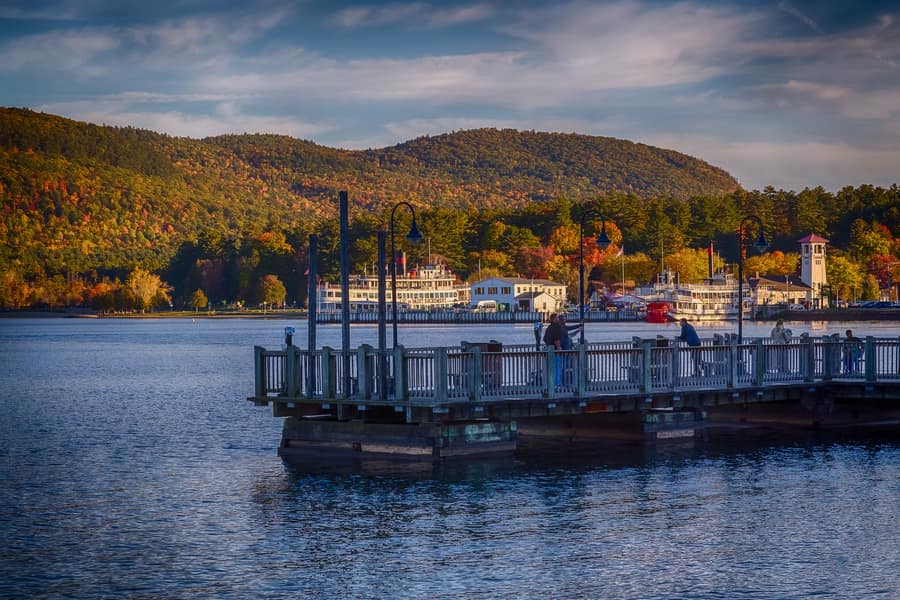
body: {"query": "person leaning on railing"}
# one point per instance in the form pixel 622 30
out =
pixel 553 338
pixel 689 336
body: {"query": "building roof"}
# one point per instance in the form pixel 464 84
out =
pixel 531 295
pixel 519 280
pixel 778 284
pixel 812 238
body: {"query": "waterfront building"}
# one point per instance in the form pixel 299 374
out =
pixel 426 287
pixel 518 293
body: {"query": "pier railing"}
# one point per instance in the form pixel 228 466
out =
pixel 469 373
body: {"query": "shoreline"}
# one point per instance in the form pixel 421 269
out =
pixel 889 314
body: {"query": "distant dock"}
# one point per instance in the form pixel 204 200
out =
pixel 469 316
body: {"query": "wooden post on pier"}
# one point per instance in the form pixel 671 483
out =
pixel 870 358
pixel 401 393
pixel 646 362
pixel 759 362
pixel 292 371
pixel 363 377
pixel 733 354
pixel 259 371
pixel 477 374
pixel 329 373
pixel 440 374
pixel 582 370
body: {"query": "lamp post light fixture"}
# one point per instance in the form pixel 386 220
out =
pixel 603 243
pixel 413 236
pixel 760 244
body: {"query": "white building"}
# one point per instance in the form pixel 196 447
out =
pixel 510 294
pixel 812 267
pixel 429 287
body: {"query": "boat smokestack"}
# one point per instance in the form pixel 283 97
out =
pixel 401 263
pixel 709 259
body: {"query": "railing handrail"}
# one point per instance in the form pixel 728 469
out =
pixel 471 372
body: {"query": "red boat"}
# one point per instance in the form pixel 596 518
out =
pixel 658 312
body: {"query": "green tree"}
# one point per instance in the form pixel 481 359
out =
pixel 845 277
pixel 271 290
pixel 199 300
pixel 146 289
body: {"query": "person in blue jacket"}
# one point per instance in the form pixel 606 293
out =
pixel 689 336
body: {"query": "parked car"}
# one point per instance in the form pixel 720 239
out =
pixel 797 307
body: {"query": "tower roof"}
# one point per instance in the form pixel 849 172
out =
pixel 812 238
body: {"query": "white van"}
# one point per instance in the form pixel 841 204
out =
pixel 485 306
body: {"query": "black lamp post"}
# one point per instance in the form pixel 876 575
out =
pixel 760 244
pixel 413 236
pixel 603 243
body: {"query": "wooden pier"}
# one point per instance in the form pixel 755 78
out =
pixel 437 403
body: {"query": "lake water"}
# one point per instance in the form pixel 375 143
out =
pixel 132 465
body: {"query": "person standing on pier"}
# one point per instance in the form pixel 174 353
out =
pixel 566 344
pixel 553 338
pixel 780 335
pixel 852 351
pixel 689 336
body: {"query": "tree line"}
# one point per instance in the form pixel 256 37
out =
pixel 266 265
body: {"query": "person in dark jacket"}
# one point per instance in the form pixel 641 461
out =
pixel 553 337
pixel 689 336
pixel 554 333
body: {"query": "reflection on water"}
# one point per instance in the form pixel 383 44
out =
pixel 133 466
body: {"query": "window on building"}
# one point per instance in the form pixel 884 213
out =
pixel 492 291
pixel 506 290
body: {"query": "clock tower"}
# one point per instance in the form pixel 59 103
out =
pixel 812 267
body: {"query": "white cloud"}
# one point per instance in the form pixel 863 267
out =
pixel 756 164
pixel 228 118
pixel 415 15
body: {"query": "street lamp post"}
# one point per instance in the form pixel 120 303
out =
pixel 413 236
pixel 603 243
pixel 760 244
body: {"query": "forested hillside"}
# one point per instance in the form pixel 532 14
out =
pixel 84 207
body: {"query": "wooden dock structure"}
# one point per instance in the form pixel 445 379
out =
pixel 437 403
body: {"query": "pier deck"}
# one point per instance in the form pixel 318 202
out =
pixel 642 380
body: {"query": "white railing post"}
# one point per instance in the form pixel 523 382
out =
pixel 440 374
pixel 734 356
pixel 477 373
pixel 401 389
pixel 362 372
pixel 871 367
pixel 329 374
pixel 646 364
pixel 582 370
pixel 759 362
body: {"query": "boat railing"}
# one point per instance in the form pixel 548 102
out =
pixel 484 372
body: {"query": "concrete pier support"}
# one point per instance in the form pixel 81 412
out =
pixel 424 441
pixel 636 426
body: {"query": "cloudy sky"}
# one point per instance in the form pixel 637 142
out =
pixel 792 94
